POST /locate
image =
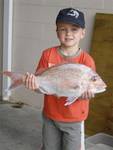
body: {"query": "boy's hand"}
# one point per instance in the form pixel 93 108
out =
pixel 30 82
pixel 87 95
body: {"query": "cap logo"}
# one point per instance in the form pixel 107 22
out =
pixel 73 13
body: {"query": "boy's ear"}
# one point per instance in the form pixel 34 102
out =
pixel 83 33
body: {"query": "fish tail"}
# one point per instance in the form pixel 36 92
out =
pixel 16 79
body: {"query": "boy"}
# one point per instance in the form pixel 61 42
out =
pixel 62 125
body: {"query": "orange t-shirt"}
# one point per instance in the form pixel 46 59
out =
pixel 54 107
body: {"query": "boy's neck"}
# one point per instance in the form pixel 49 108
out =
pixel 69 51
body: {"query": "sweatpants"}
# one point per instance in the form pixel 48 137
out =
pixel 62 135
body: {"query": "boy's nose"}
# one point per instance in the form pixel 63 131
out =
pixel 68 31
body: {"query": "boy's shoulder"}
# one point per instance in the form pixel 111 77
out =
pixel 50 49
pixel 86 53
pixel 87 59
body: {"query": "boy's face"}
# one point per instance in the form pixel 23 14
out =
pixel 69 35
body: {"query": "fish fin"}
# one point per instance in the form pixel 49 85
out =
pixel 41 70
pixel 16 79
pixel 70 100
pixel 42 90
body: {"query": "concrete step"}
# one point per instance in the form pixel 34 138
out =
pixel 100 138
pixel 100 147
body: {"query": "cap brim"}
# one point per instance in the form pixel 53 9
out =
pixel 65 20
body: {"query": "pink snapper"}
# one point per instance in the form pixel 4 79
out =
pixel 65 80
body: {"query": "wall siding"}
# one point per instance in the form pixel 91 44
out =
pixel 1 42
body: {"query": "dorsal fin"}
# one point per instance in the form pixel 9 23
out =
pixel 41 70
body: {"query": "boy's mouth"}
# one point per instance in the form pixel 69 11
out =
pixel 69 39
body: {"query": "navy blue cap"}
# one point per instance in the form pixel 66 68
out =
pixel 71 15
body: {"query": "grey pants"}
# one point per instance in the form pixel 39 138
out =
pixel 61 136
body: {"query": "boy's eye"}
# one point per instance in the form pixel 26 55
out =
pixel 74 29
pixel 62 29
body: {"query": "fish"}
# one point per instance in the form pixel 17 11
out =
pixel 68 80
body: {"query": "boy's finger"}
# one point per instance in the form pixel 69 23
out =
pixel 31 82
pixel 25 77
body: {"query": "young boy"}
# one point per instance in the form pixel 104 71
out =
pixel 62 125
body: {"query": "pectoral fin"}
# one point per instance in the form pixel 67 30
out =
pixel 70 100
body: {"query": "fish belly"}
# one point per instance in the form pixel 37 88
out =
pixel 59 87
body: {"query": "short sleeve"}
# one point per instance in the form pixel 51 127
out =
pixel 43 63
pixel 89 61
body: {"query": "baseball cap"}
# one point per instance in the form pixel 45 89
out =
pixel 71 15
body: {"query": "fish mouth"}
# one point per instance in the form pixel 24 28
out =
pixel 100 90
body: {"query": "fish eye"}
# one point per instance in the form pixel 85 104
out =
pixel 94 78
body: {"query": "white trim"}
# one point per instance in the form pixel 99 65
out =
pixel 82 136
pixel 7 44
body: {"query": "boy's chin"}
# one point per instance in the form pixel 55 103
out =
pixel 68 45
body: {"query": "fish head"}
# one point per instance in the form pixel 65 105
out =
pixel 96 84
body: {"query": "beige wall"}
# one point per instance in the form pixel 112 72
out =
pixel 1 42
pixel 34 30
